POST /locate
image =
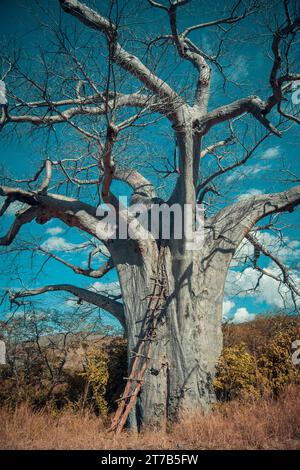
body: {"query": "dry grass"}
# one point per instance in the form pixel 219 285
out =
pixel 264 424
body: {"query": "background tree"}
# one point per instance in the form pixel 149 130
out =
pixel 112 102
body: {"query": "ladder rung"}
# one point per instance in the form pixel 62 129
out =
pixel 133 354
pixel 144 339
pixel 132 379
pixel 141 338
pixel 125 398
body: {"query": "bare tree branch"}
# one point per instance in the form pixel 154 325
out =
pixel 276 82
pixel 235 221
pixel 101 301
pixel 47 178
pixel 117 101
pixel 89 272
pixel 72 212
pixel 23 217
pixel 227 20
pixel 221 143
pixel 194 56
pixel 226 169
pixel 286 278
pixel 143 189
pixel 124 59
pixel 252 104
pixel 107 159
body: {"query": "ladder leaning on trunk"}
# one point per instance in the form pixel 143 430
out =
pixel 142 354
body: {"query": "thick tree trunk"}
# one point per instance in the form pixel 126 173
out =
pixel 188 337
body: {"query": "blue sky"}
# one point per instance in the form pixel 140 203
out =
pixel 249 65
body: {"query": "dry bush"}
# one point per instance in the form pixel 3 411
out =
pixel 255 373
pixel 262 424
pixel 89 373
pixel 81 374
pixel 257 358
pixel 237 374
pixel 259 332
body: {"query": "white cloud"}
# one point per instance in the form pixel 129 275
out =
pixel 54 230
pixel 13 207
pixel 227 307
pixel 256 169
pixel 284 248
pixel 108 288
pixel 272 152
pixel 234 177
pixel 242 316
pixel 59 244
pixel 274 294
pixel 268 289
pixel 249 172
pixel 105 288
pixel 72 302
pixel 251 192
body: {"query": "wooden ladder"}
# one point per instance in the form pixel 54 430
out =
pixel 142 355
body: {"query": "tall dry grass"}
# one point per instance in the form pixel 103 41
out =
pixel 264 424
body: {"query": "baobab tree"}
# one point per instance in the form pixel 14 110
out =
pixel 171 295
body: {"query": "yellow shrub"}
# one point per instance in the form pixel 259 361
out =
pixel 261 366
pixel 236 373
pixel 275 363
pixel 96 373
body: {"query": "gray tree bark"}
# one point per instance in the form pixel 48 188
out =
pixel 187 344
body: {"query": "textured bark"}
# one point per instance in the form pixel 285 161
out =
pixel 188 338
